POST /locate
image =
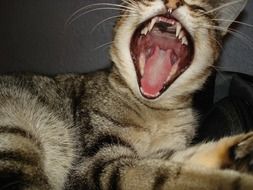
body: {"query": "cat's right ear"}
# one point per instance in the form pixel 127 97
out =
pixel 227 11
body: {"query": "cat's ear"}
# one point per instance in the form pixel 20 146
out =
pixel 228 11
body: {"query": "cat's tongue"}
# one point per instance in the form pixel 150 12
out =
pixel 156 71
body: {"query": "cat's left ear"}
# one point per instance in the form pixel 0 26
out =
pixel 228 11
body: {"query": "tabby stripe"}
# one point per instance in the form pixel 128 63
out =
pixel 112 120
pixel 11 180
pixel 77 97
pixel 160 179
pixel 105 141
pixel 100 167
pixel 14 177
pixel 15 130
pixel 179 171
pixel 99 113
pixel 114 181
pixel 26 158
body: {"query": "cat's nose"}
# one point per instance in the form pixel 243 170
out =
pixel 173 4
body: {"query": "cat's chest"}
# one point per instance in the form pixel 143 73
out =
pixel 160 133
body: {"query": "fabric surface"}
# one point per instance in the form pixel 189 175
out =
pixel 231 115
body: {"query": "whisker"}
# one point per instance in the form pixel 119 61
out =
pixel 218 42
pixel 104 20
pixel 97 4
pixel 246 37
pixel 103 45
pixel 236 33
pixel 70 21
pixel 242 23
pixel 222 6
pixel 131 3
pixel 109 18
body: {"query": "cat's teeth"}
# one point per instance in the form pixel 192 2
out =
pixel 184 41
pixel 152 23
pixel 144 31
pixel 142 60
pixel 181 35
pixel 173 71
pixel 179 27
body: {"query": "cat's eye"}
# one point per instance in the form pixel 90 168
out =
pixel 198 8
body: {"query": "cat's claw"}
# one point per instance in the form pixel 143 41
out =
pixel 242 154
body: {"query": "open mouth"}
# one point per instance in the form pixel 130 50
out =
pixel 161 50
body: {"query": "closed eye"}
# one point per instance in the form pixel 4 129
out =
pixel 197 8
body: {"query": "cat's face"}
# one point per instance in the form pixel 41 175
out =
pixel 165 49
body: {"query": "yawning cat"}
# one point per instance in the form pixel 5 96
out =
pixel 128 127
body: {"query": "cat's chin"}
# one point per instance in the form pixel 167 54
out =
pixel 161 49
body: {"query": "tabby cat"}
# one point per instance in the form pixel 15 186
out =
pixel 128 127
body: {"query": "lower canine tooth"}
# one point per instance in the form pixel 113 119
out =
pixel 142 63
pixel 184 40
pixel 173 71
pixel 144 31
pixel 181 35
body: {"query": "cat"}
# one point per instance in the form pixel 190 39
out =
pixel 129 126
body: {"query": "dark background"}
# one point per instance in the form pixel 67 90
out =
pixel 33 39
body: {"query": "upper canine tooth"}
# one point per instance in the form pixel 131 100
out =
pixel 152 23
pixel 179 27
pixel 184 40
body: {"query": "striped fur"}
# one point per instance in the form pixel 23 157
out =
pixel 96 132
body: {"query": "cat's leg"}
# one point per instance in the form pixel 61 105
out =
pixel 117 167
pixel 36 150
pixel 234 152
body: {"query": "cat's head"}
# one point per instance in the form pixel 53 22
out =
pixel 165 49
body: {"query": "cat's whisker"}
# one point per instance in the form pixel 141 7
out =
pixel 104 20
pixel 222 6
pixel 131 3
pixel 218 42
pixel 107 19
pixel 244 36
pixel 70 21
pixel 235 33
pixel 98 4
pixel 231 21
pixel 103 45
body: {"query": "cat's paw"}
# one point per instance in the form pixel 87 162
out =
pixel 242 154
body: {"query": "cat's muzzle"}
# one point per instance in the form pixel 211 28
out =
pixel 161 50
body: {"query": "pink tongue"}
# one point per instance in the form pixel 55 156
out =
pixel 156 71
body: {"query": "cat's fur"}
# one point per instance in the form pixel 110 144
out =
pixel 96 131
